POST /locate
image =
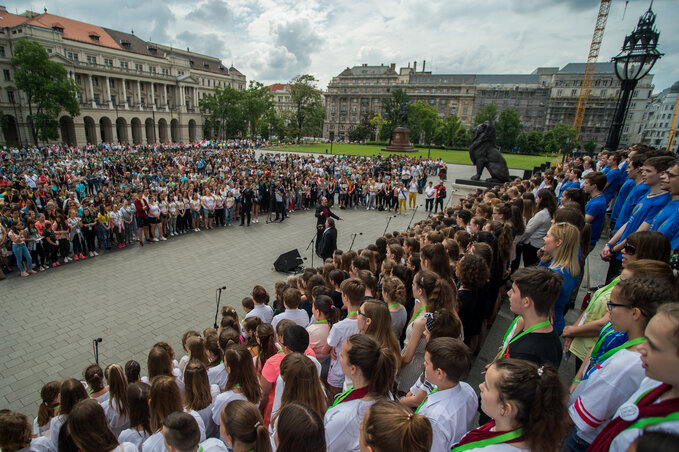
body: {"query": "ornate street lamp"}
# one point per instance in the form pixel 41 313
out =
pixel 638 56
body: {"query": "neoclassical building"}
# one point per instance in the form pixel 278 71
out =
pixel 130 90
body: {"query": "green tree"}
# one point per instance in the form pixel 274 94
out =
pixel 447 131
pixel 423 120
pixel 308 108
pixel 257 100
pixel 534 142
pixel 227 118
pixel 48 90
pixel 560 139
pixel 391 108
pixel 377 122
pixel 508 128
pixel 590 147
pixel 365 129
pixel 272 124
pixel 487 113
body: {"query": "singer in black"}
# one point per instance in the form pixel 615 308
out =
pixel 323 212
pixel 246 203
pixel 328 240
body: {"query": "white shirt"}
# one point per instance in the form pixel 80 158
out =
pixel 55 426
pixel 206 413
pixel 218 375
pixel 134 436
pixel 502 447
pixel 299 316
pixel 595 400
pixel 429 192
pixel 221 401
pixel 450 425
pixel 339 333
pixel 262 311
pixel 117 422
pixel 154 443
pixel 40 444
pixel 627 437
pixel 212 445
pixel 199 421
pixel 343 425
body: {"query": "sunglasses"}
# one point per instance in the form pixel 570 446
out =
pixel 630 249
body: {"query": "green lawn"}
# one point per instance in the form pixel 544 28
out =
pixel 513 161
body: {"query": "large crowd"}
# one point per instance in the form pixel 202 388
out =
pixel 370 351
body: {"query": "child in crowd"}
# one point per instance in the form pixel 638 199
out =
pixel 49 395
pixel 242 382
pixel 182 434
pixel 138 395
pixel 299 428
pixel 326 315
pixel 242 428
pixel 117 407
pixel 390 427
pixel 15 434
pixel 292 299
pixel 90 432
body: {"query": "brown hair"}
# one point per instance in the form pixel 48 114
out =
pixel 260 295
pixel 267 340
pixel 94 376
pixel 292 298
pixel 48 394
pixel 187 335
pixel 390 426
pixel 324 304
pixel 244 422
pixel 473 272
pixel 117 388
pixel 439 293
pixel 89 428
pixel 197 393
pixel 644 294
pixel 159 362
pixel 450 355
pixel 242 372
pixel 650 245
pixel 650 268
pixel 354 289
pixel 369 280
pixel 230 311
pixel 180 430
pixel 671 310
pixel 597 179
pixel 138 395
pixel 377 364
pixel 212 345
pixel 540 399
pixel 302 383
pixel 541 285
pixel 196 348
pixel 394 289
pixel 446 324
pixel 438 258
pixel 71 392
pixel 165 398
pixel 15 431
pixel 300 428
pixel 381 328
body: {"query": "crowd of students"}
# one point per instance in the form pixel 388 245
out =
pixel 59 204
pixel 370 351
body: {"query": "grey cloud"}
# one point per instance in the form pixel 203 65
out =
pixel 271 63
pixel 299 38
pixel 206 43
pixel 214 12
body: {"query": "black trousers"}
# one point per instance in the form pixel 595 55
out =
pixel 246 209
pixel 280 210
pixel 429 204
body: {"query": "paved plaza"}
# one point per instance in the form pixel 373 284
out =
pixel 135 297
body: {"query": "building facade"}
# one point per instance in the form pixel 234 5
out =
pixel 658 118
pixel 130 90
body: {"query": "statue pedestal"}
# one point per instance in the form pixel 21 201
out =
pixel 400 141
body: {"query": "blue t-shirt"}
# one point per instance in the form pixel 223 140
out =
pixel 644 212
pixel 596 207
pixel 609 340
pixel 622 196
pixel 567 287
pixel 667 223
pixel 623 168
pixel 635 195
pixel 605 169
pixel 614 178
pixel 566 186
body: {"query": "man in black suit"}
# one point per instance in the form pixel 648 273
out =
pixel 323 212
pixel 246 205
pixel 328 240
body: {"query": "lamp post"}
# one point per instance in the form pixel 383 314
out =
pixel 637 58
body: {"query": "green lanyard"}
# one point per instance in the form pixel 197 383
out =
pixel 342 396
pixel 511 328
pixel 643 423
pixel 505 437
pixel 425 399
pixel 601 292
pixel 523 333
pixel 613 351
pixel 352 313
pixel 318 322
pixel 392 306
pixel 418 313
pixel 597 346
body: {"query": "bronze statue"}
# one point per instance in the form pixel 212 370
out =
pixel 484 154
pixel 403 115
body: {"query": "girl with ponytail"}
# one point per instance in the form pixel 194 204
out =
pixel 242 428
pixel 326 316
pixel 199 393
pixel 371 368
pixel 392 427
pixel 70 393
pixel 47 410
pixel 116 408
pixel 526 404
pixel 394 295
pixel 432 294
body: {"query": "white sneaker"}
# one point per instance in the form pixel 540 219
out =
pixel 155 239
pixel 66 260
pixel 163 238
pixel 91 254
pixel 96 254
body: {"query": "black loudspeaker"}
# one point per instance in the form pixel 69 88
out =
pixel 288 262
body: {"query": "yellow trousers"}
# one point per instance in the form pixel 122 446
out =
pixel 401 205
pixel 412 199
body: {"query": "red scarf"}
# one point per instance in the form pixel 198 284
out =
pixel 484 432
pixel 356 394
pixel 646 409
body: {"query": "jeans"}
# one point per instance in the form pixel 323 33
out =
pixel 574 443
pixel 21 252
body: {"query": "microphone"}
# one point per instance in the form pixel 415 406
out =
pixel 97 340
pixel 221 288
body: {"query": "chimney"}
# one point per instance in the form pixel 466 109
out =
pixel 408 64
pixel 393 66
pixel 414 66
pixel 424 63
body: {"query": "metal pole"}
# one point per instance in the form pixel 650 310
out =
pixel 626 89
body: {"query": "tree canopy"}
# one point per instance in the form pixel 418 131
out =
pixel 48 90
pixel 486 113
pixel 308 110
pixel 508 128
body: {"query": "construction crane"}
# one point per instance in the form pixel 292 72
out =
pixel 673 130
pixel 598 36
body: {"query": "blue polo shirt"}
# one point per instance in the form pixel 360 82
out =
pixel 644 212
pixel 596 207
pixel 667 223
pixel 635 195
pixel 622 196
pixel 614 178
pixel 566 186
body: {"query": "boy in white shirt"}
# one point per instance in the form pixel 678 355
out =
pixel 181 434
pixel 446 360
pixel 260 297
pixel 353 290
pixel 292 298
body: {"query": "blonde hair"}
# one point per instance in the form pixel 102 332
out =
pixel 567 254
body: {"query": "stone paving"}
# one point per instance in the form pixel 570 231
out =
pixel 134 297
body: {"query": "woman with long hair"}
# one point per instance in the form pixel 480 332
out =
pixel 434 257
pixel 394 295
pixel 117 407
pixel 90 431
pixel 390 426
pixel 302 384
pixel 138 395
pixel 266 338
pixel 71 392
pixel 300 428
pixel 242 383
pixel 374 320
pixel 242 428
pixel 533 237
pixel 49 395
pixel 562 243
pixel 199 394
pixel 371 368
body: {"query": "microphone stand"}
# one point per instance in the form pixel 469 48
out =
pixel 95 349
pixel 388 221
pixel 313 248
pixel 411 218
pixel 218 299
pixel 354 234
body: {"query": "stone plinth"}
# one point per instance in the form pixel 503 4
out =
pixel 400 141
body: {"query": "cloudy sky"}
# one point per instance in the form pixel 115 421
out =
pixel 274 40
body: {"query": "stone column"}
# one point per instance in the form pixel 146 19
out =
pixel 139 95
pixel 153 97
pixel 94 105
pixel 122 80
pixel 195 98
pixel 166 102
pixel 182 107
pixel 108 92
